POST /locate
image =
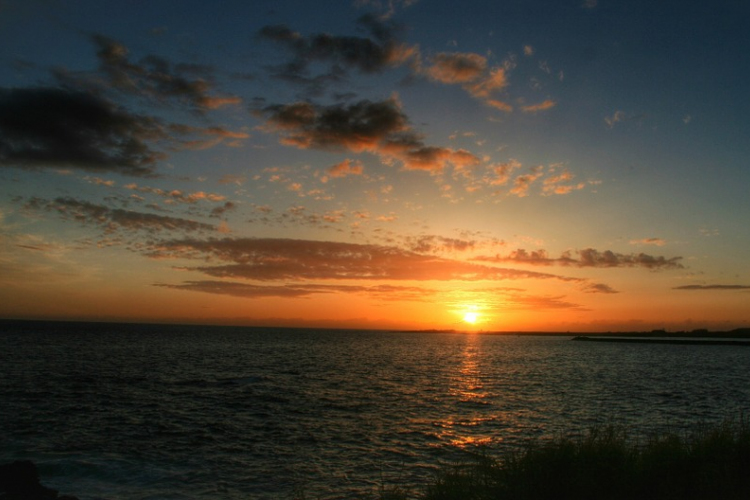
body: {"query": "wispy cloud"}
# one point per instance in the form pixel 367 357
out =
pixel 712 287
pixel 113 219
pixel 439 244
pixel 157 78
pixel 598 288
pixel 542 106
pixel 176 195
pixel 659 242
pixel 588 257
pixel 286 259
pixel 366 54
pixel 236 289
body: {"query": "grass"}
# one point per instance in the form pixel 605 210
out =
pixel 710 462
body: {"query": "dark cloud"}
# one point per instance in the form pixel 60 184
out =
pixel 157 78
pixel 365 126
pixel 712 287
pixel 599 288
pixel 240 289
pixel 437 244
pixel 223 209
pixel 367 54
pixel 589 257
pixel 235 289
pixel 287 259
pixel 62 128
pixel 113 219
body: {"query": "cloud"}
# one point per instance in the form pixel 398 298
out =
pixel 438 244
pixel 47 127
pixel 499 105
pixel 240 289
pixel 346 167
pixel 232 179
pixel 113 219
pixel 245 290
pixel 456 67
pixel 555 184
pixel 712 287
pixel 177 196
pixel 223 209
pixel 157 78
pixel 542 106
pixel 388 6
pixel 376 127
pixel 618 116
pixel 368 55
pixel 588 257
pixel 522 183
pixel 659 242
pixel 496 79
pixel 598 288
pixel 508 299
pixel 208 137
pixel 501 172
pixel 268 259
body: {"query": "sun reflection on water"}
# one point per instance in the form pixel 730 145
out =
pixel 469 392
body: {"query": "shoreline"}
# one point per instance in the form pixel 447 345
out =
pixel 662 340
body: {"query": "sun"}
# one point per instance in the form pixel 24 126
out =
pixel 471 317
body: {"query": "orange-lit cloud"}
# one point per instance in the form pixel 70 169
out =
pixel 542 106
pixel 496 79
pixel 456 67
pixel 287 259
pixel 176 195
pixel 500 105
pixel 346 167
pixel 522 183
pixel 556 184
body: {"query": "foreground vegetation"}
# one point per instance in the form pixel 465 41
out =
pixel 608 464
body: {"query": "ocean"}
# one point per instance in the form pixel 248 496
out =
pixel 124 411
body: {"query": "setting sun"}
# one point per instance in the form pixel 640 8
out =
pixel 471 317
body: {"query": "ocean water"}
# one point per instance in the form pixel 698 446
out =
pixel 112 411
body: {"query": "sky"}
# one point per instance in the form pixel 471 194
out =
pixel 517 165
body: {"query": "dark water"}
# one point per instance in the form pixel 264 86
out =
pixel 175 412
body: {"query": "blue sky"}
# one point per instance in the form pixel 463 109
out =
pixel 544 165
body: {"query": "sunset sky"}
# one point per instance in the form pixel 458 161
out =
pixel 566 165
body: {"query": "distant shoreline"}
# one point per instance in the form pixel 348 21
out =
pixel 662 340
pixel 737 333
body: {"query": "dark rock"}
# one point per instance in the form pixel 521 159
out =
pixel 20 481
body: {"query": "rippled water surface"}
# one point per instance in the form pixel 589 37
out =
pixel 146 412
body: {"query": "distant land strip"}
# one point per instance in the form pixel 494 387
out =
pixel 652 340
